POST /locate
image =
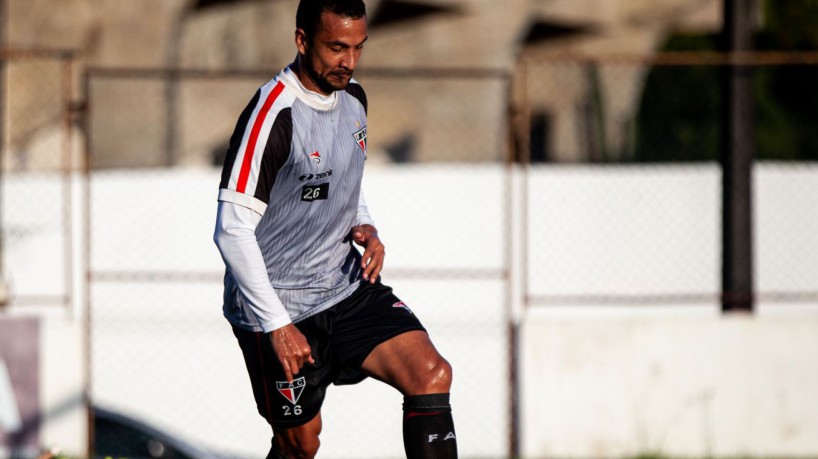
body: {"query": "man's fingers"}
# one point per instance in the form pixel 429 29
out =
pixel 373 267
pixel 292 349
pixel 367 265
pixel 376 269
pixel 358 237
pixel 365 258
pixel 300 364
pixel 306 355
pixel 300 357
pixel 287 373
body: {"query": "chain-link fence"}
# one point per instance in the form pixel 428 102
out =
pixel 38 156
pixel 642 224
pixel 639 226
pixel 161 350
pixel 40 218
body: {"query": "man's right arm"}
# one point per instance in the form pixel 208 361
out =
pixel 235 237
pixel 257 151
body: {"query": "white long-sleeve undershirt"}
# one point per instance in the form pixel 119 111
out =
pixel 236 239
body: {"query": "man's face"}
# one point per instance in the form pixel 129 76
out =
pixel 329 58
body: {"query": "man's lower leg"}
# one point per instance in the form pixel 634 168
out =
pixel 428 428
pixel 274 452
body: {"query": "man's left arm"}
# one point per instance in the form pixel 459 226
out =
pixel 365 234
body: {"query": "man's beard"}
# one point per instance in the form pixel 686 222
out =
pixel 324 84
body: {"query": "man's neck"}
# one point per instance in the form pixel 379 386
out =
pixel 305 78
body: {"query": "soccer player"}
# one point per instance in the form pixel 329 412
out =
pixel 307 308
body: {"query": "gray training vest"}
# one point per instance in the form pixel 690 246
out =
pixel 299 163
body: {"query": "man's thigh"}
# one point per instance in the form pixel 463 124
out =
pixel 282 403
pixel 372 316
pixel 410 363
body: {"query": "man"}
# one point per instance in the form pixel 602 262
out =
pixel 308 309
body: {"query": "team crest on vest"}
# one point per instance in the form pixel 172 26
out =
pixel 315 156
pixel 360 137
pixel 291 390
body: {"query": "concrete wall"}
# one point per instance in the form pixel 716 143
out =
pixel 481 34
pixel 681 386
pixel 253 34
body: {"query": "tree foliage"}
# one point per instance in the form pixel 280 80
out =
pixel 680 116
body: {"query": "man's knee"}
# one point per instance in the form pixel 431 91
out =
pixel 300 442
pixel 443 372
pixel 297 448
pixel 436 379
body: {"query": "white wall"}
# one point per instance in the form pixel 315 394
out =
pixel 595 380
pixel 691 387
pixel 62 390
pixel 678 378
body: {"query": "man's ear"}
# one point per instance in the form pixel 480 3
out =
pixel 301 41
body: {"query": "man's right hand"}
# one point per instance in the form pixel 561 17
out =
pixel 292 349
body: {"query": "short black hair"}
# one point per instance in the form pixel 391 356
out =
pixel 309 12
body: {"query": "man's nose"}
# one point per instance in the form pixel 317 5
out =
pixel 350 59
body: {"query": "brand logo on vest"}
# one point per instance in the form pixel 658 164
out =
pixel 306 177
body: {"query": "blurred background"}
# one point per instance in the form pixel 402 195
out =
pixel 604 211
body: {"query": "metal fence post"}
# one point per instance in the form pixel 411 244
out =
pixel 737 163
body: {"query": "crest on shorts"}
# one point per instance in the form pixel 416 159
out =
pixel 360 137
pixel 291 390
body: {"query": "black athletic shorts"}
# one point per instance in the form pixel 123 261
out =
pixel 340 337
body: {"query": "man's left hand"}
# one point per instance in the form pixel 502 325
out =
pixel 372 262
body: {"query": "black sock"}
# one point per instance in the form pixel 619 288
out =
pixel 428 428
